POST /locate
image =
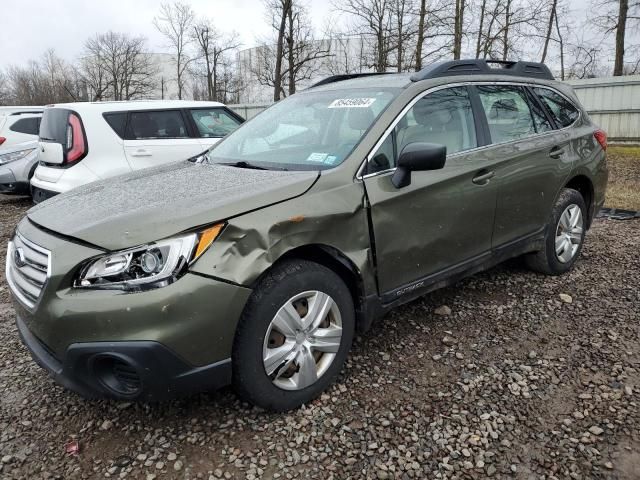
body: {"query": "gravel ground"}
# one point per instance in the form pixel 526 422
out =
pixel 507 374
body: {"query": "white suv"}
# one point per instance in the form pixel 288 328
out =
pixel 84 142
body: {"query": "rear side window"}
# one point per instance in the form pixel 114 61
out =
pixel 214 122
pixel 158 124
pixel 562 110
pixel 508 113
pixel 117 121
pixel 30 126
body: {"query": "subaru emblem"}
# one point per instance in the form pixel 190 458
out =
pixel 19 258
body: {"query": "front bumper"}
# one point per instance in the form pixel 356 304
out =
pixel 14 176
pixel 9 184
pixel 177 337
pixel 140 370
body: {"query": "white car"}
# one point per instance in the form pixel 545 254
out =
pixel 19 124
pixel 84 142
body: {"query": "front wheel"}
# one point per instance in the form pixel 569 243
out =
pixel 564 236
pixel 293 337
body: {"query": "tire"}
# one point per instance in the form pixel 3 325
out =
pixel 293 291
pixel 548 260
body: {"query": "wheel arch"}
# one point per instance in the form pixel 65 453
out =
pixel 335 260
pixel 584 186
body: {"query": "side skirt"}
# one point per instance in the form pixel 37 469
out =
pixel 376 306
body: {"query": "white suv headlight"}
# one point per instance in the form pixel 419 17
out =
pixel 13 156
pixel 148 266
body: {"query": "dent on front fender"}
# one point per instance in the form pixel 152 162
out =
pixel 250 244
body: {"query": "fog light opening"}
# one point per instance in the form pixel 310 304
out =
pixel 118 376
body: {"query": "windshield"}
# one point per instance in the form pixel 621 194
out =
pixel 308 131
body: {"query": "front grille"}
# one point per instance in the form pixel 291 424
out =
pixel 28 268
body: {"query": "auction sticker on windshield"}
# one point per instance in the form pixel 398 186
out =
pixel 352 103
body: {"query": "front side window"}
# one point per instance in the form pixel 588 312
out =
pixel 157 125
pixel 562 110
pixel 214 122
pixel 307 131
pixel 444 117
pixel 29 126
pixel 508 113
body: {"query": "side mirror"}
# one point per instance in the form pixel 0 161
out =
pixel 418 156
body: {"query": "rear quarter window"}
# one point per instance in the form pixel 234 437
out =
pixel 30 126
pixel 117 121
pixel 562 110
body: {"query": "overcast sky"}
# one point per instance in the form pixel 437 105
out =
pixel 29 27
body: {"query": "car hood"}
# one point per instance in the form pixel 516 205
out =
pixel 152 204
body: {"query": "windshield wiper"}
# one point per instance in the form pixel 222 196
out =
pixel 252 166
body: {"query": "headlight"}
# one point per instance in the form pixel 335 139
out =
pixel 13 156
pixel 148 266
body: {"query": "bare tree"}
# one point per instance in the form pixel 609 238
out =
pixel 175 23
pixel 458 28
pixel 373 18
pixel 48 80
pixel 617 17
pixel 4 90
pixel 213 49
pixel 116 66
pixel 552 21
pixel 295 56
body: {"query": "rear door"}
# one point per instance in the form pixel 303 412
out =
pixel 212 123
pixel 155 137
pixel 532 160
pixel 444 219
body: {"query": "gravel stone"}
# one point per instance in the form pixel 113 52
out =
pixel 517 384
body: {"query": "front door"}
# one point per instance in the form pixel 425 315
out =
pixel 444 219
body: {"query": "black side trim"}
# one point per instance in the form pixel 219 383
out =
pixel 453 274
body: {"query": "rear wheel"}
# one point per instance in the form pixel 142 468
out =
pixel 293 337
pixel 564 236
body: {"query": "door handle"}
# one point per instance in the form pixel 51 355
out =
pixel 557 152
pixel 141 152
pixel 483 177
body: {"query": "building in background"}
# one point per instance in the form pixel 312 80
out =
pixel 347 54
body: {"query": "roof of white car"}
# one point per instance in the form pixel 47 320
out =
pixel 19 108
pixel 136 105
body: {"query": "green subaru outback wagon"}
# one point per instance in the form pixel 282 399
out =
pixel 255 263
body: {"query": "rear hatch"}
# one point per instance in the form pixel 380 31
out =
pixel 63 142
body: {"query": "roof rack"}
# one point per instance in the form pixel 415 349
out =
pixel 345 76
pixel 483 67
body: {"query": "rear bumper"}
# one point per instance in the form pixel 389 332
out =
pixel 140 370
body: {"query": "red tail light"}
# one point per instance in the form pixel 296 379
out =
pixel 601 137
pixel 76 144
pixel 2 140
